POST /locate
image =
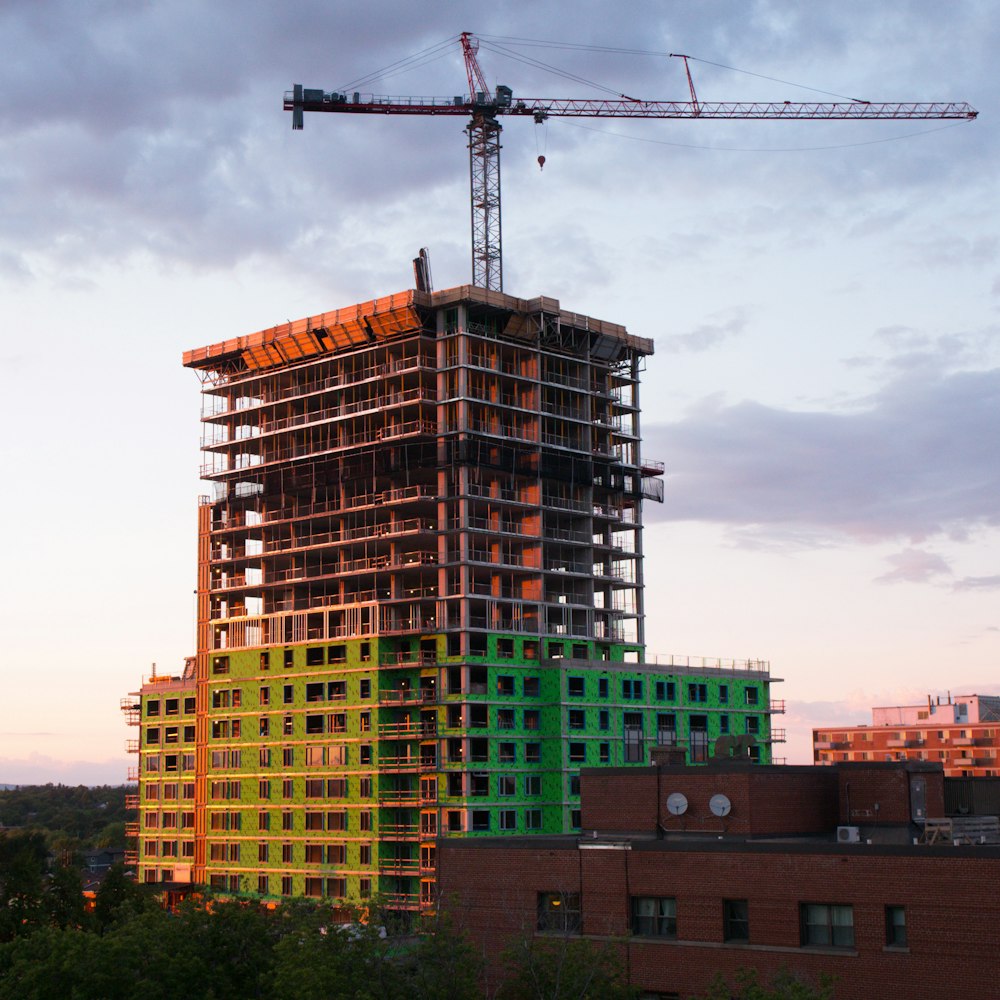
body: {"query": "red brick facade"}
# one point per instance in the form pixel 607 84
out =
pixel 951 914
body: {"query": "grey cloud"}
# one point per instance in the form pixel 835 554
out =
pixel 158 127
pixel 914 566
pixel 706 335
pixel 978 583
pixel 921 458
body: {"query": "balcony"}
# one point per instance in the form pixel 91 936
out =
pixel 408 696
pixel 777 736
pixel 408 730
pixel 131 746
pixel 399 831
pixel 777 707
pixel 131 829
pixel 132 711
pixel 131 801
pixel 401 901
pixel 399 866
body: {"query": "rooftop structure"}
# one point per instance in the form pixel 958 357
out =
pixel 420 600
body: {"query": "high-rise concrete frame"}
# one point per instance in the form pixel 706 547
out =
pixel 420 600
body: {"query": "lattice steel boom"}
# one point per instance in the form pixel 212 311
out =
pixel 483 130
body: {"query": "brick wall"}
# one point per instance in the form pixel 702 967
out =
pixel 951 920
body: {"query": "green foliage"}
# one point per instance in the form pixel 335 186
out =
pixel 232 951
pixel 23 859
pixel 566 968
pixel 784 986
pixel 74 817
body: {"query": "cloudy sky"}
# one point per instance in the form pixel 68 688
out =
pixel 823 296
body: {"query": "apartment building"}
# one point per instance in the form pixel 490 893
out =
pixel 961 733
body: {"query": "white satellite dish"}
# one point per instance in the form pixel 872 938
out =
pixel 720 805
pixel 677 803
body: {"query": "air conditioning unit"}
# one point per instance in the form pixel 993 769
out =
pixel 848 835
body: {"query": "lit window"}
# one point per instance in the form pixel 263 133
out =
pixel 559 911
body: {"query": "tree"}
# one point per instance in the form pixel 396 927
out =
pixel 22 875
pixel 118 898
pixel 785 985
pixel 564 968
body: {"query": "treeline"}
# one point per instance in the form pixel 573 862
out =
pixel 71 817
pixel 127 947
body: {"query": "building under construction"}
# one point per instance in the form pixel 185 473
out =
pixel 420 601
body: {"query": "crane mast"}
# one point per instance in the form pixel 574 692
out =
pixel 484 106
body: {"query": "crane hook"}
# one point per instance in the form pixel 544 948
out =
pixel 541 162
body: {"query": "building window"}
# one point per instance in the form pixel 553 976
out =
pixel 286 880
pixel 752 695
pixel 533 819
pixel 507 753
pixel 632 690
pixel 723 724
pixel 508 819
pixel 654 916
pixel 666 691
pixel 574 686
pixel 262 887
pixel 895 927
pixel 532 784
pixel 505 718
pixel 559 911
pixel 697 692
pixel 532 753
pixel 753 725
pixel 604 752
pixel 577 718
pixel 634 748
pixel 578 752
pixel 735 920
pixel 532 688
pixel 365 685
pixel 827 925
pixel 602 687
pixel 532 719
pixel 480 819
pixel 604 719
pixel 506 784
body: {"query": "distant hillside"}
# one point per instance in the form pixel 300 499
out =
pixel 81 815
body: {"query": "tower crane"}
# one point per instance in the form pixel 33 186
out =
pixel 484 107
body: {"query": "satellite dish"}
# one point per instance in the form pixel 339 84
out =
pixel 677 803
pixel 720 805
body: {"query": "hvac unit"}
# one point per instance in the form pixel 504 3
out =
pixel 848 835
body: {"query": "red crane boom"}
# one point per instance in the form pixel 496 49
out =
pixel 484 107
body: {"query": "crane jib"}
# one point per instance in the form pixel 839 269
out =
pixel 483 108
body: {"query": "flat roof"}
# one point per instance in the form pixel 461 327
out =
pixel 383 318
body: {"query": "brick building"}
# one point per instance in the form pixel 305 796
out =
pixel 962 734
pixel 692 872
